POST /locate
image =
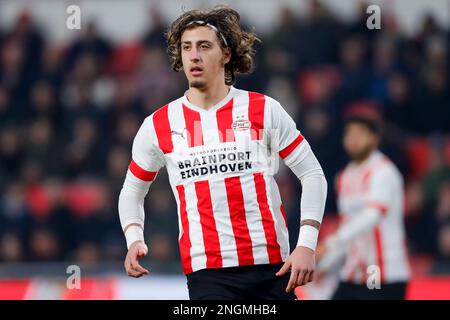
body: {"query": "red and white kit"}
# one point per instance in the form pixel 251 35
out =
pixel 370 202
pixel 221 163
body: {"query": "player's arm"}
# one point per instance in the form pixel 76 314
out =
pixel 298 156
pixel 140 175
pixel 132 216
pixel 314 192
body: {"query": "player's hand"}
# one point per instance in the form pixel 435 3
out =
pixel 302 264
pixel 138 249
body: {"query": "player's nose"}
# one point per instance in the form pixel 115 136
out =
pixel 194 54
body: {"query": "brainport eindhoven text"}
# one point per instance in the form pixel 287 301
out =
pixel 215 163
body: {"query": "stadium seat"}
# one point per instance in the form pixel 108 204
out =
pixel 124 59
pixel 418 151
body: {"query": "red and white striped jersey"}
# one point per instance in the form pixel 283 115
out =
pixel 374 183
pixel 221 163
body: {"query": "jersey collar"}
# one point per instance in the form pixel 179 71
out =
pixel 221 103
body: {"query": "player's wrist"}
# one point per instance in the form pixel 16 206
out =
pixel 134 234
pixel 308 237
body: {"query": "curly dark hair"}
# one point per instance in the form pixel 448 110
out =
pixel 227 22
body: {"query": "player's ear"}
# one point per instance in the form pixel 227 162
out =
pixel 226 55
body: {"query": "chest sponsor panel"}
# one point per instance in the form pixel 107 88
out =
pixel 223 159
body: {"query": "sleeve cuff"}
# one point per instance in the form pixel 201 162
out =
pixel 308 237
pixel 133 234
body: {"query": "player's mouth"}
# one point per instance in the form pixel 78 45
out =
pixel 196 71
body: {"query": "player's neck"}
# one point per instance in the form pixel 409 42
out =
pixel 363 158
pixel 209 96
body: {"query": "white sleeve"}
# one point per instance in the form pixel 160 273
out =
pixel 285 138
pixel 314 194
pixel 379 194
pixel 146 152
pixel 144 166
pixel 314 186
pixel 296 153
pixel 131 207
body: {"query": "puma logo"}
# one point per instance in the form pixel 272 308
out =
pixel 173 132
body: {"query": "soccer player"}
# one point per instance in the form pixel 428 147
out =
pixel 372 235
pixel 219 145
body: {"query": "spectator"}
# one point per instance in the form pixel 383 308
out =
pixel 91 43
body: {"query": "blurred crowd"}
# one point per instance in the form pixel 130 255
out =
pixel 68 116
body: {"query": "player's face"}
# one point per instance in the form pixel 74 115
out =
pixel 359 141
pixel 203 58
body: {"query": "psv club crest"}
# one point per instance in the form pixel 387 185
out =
pixel 240 124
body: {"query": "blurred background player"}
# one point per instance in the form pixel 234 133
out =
pixel 370 200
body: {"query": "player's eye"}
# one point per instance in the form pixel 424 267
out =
pixel 185 47
pixel 204 46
